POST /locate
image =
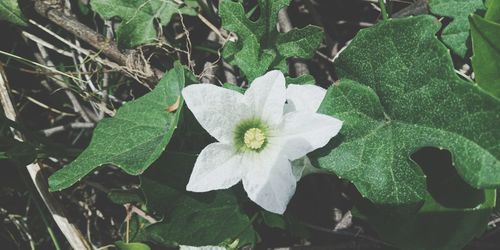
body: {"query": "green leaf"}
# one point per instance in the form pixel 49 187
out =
pixel 234 87
pixel 139 18
pixel 136 228
pixel 297 42
pixel 10 12
pixel 486 59
pixel 273 220
pixel 84 8
pixel 131 246
pixel 434 226
pixel 493 11
pixel 286 223
pixel 193 219
pixel 260 47
pixel 134 138
pixel 456 34
pixel 121 197
pixel 399 93
pixel 453 212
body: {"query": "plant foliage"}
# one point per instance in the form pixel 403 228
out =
pixel 456 35
pixel 419 143
pixel 260 47
pixel 188 218
pixel 141 20
pixel 10 12
pixel 400 94
pixel 134 138
pixel 486 45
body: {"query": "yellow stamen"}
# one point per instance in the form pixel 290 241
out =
pixel 254 138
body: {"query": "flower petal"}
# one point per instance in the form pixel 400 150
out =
pixel 269 182
pixel 299 165
pixel 304 97
pixel 217 167
pixel 303 132
pixel 216 109
pixel 266 97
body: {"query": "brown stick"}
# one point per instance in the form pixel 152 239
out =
pixel 81 31
pixel 132 64
pixel 69 230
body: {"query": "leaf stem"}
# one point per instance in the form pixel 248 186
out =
pixel 39 208
pixel 383 10
pixel 45 220
pixel 127 231
pixel 235 238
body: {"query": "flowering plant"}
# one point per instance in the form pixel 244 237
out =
pixel 259 135
pixel 195 97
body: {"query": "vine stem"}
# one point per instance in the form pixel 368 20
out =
pixel 235 239
pixel 383 10
pixel 128 231
pixel 39 207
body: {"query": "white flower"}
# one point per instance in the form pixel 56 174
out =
pixel 258 137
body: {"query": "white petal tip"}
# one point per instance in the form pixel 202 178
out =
pixel 275 72
pixel 194 188
pixel 278 211
pixel 272 76
pixel 274 209
pixel 336 126
pixel 266 205
pixel 277 206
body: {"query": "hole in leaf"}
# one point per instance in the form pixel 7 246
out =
pixel 443 182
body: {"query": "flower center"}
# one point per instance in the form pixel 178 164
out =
pixel 251 135
pixel 254 138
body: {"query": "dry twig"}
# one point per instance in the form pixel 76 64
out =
pixel 130 62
